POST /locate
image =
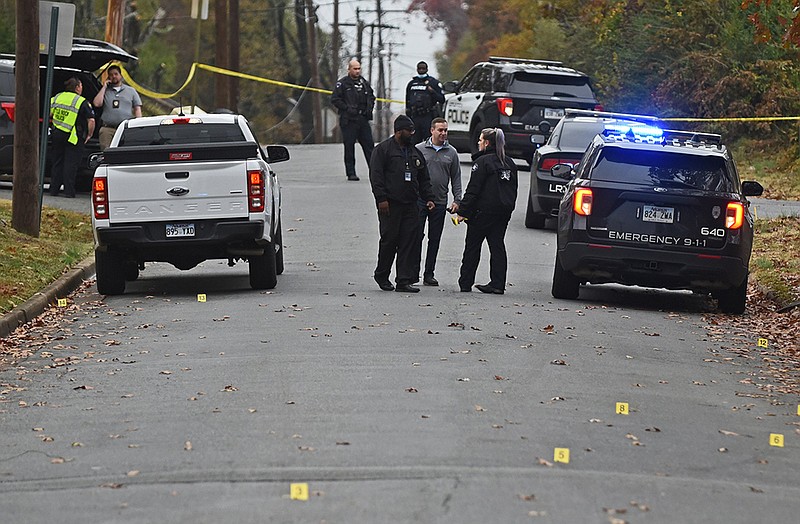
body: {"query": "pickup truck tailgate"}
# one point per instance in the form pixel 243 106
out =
pixel 177 191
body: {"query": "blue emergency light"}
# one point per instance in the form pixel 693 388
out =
pixel 643 133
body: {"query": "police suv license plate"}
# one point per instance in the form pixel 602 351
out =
pixel 180 230
pixel 665 215
pixel 553 113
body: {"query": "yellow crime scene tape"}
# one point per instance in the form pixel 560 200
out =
pixel 219 70
pixel 245 76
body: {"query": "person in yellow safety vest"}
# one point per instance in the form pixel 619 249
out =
pixel 72 126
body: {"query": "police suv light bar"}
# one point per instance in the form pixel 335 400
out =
pixel 606 114
pixel 496 59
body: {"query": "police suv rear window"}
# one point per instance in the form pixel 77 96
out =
pixel 181 134
pixel 662 169
pixel 550 85
pixel 578 135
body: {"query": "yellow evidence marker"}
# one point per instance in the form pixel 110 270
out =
pixel 201 297
pixel 622 408
pixel 62 302
pixel 776 439
pixel 763 342
pixel 798 410
pixel 561 455
pixel 298 491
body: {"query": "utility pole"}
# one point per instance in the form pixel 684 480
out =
pixel 233 35
pixel 336 37
pixel 381 82
pixel 311 19
pixel 115 21
pixel 221 84
pixel 359 34
pixel 25 208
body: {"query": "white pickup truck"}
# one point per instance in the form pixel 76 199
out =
pixel 184 189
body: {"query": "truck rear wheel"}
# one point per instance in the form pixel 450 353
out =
pixel 263 273
pixel 109 272
pixel 279 254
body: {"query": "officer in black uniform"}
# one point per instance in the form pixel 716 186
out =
pixel 423 96
pixel 487 204
pixel 399 177
pixel 354 99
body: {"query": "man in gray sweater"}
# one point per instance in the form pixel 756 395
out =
pixel 445 171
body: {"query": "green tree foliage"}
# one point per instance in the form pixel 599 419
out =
pixel 672 58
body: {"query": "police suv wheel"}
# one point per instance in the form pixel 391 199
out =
pixel 533 220
pixel 733 301
pixel 565 284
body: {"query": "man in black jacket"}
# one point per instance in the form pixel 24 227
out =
pixel 399 177
pixel 354 99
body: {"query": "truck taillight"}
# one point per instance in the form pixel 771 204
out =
pixel 8 107
pixel 100 197
pixel 255 191
pixel 734 215
pixel 582 201
pixel 505 106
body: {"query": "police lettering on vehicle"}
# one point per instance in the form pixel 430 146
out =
pixel 459 116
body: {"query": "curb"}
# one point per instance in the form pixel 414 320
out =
pixel 38 303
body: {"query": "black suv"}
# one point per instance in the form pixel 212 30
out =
pixel 524 98
pixel 659 209
pixel 87 57
pixel 567 143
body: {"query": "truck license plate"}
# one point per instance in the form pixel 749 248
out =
pixel 180 230
pixel 665 215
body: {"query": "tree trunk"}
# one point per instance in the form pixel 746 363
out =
pixel 233 39
pixel 304 101
pixel 25 206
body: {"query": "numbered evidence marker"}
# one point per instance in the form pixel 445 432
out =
pixel 798 410
pixel 561 455
pixel 622 408
pixel 763 342
pixel 62 302
pixel 201 297
pixel 298 491
pixel 776 439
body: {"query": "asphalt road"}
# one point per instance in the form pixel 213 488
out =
pixel 436 407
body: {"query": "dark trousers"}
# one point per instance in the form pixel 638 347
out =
pixel 356 131
pixel 492 228
pixel 435 220
pixel 398 235
pixel 66 160
pixel 422 126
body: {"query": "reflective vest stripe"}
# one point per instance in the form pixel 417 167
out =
pixel 64 110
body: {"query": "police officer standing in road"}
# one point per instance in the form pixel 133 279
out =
pixel 399 177
pixel 444 170
pixel 354 99
pixel 73 125
pixel 119 102
pixel 488 202
pixel 423 96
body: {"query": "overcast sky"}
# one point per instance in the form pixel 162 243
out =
pixel 411 42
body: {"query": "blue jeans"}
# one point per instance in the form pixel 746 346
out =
pixel 435 220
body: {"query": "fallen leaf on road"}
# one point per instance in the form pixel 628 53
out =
pixel 463 380
pixel 558 362
pixel 479 408
pixel 498 377
pixel 527 498
pixel 412 390
pixel 728 433
pixel 187 446
pixel 83 387
pixel 547 329
pixel 543 462
pixel 133 473
pixel 228 389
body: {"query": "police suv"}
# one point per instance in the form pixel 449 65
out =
pixel 569 139
pixel 655 208
pixel 524 98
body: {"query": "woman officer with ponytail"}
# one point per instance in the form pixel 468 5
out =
pixel 487 205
